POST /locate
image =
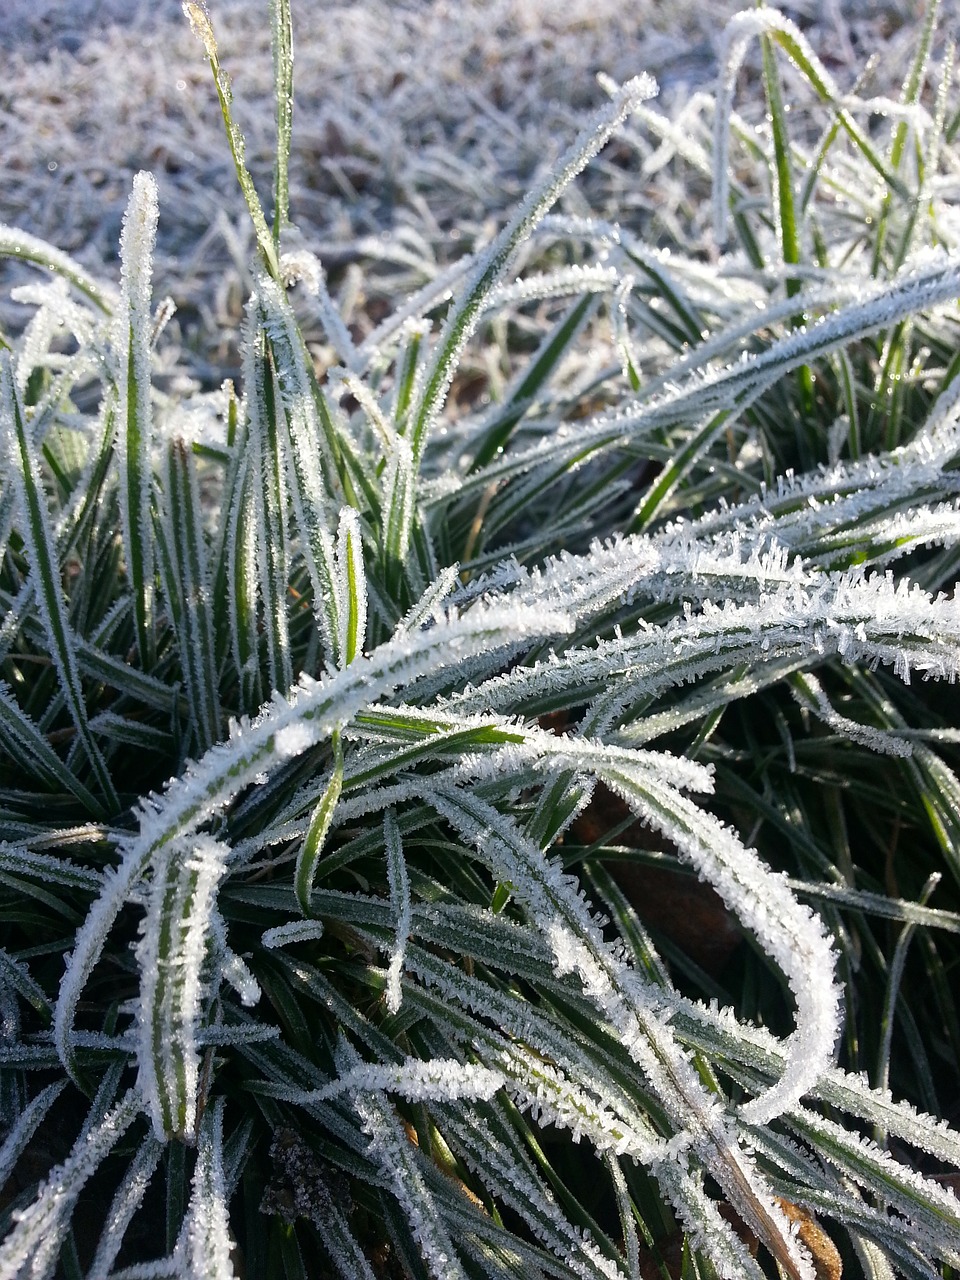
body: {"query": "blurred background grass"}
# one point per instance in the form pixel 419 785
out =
pixel 418 127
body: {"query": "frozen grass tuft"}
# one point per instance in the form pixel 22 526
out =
pixel 490 762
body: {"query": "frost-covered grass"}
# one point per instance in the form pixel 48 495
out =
pixel 355 713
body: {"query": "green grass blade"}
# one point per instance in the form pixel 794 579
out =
pixel 282 46
pixel 284 730
pixel 408 373
pixel 785 205
pixel 241 577
pixel 22 740
pixel 784 202
pixel 314 453
pixel 265 413
pixel 683 461
pixel 312 847
pixel 398 514
pixel 781 30
pixel 202 28
pixel 910 93
pixel 521 396
pixel 352 608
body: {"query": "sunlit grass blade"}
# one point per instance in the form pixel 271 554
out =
pixel 521 395
pixel 240 576
pixel 269 493
pixel 399 512
pixel 681 464
pixel 909 94
pixel 315 467
pixel 352 588
pixel 282 46
pixel 202 28
pixel 409 370
pixel 781 30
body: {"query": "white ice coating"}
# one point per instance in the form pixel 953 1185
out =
pixel 350 586
pixel 789 932
pixel 125 1203
pixel 400 901
pixel 399 1161
pixel 171 953
pixel 205 1246
pixel 133 343
pixel 734 41
pixel 556 904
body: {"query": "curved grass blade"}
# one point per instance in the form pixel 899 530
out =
pixel 788 932
pixel 28 248
pixel 285 729
pixel 560 913
pixel 313 842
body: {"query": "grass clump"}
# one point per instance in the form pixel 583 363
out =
pixel 348 722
